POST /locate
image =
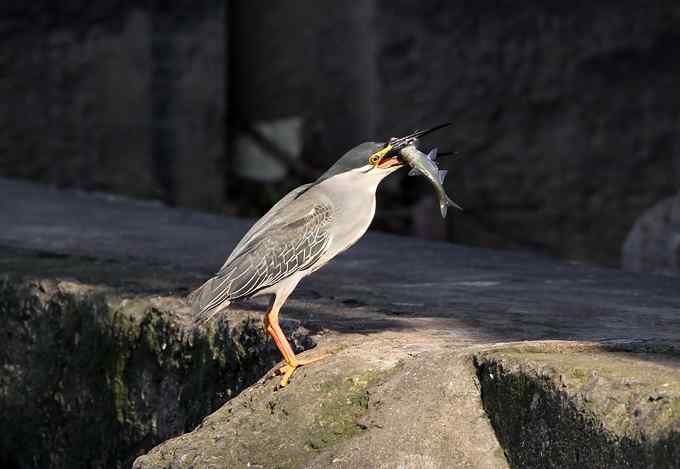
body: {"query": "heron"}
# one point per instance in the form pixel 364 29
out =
pixel 300 234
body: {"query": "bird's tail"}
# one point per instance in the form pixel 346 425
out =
pixel 202 303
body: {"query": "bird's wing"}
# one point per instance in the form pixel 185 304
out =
pixel 294 240
pixel 265 220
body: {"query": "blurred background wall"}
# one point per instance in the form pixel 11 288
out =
pixel 565 117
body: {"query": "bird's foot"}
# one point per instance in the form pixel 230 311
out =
pixel 288 369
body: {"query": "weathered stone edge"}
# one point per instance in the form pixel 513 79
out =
pixel 542 423
pixel 91 377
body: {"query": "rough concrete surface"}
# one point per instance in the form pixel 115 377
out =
pixel 574 405
pixel 381 402
pixel 91 375
pixel 410 326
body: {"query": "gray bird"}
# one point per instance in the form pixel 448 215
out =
pixel 300 234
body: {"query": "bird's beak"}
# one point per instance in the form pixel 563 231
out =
pixel 386 158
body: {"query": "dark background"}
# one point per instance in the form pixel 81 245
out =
pixel 565 117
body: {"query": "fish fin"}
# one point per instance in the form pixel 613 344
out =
pixel 414 172
pixel 442 175
pixel 433 155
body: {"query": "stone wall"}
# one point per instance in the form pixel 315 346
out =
pixel 565 117
pixel 121 97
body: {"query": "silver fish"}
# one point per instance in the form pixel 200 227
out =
pixel 427 166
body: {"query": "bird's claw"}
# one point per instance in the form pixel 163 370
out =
pixel 288 369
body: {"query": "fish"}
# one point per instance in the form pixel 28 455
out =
pixel 426 165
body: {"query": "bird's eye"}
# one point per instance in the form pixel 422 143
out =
pixel 377 157
pixel 374 159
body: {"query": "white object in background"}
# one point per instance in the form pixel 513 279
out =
pixel 254 162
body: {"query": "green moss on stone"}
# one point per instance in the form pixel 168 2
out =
pixel 88 379
pixel 342 404
pixel 583 408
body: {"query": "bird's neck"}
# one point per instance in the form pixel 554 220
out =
pixel 357 187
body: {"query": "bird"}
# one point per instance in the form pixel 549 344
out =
pixel 300 234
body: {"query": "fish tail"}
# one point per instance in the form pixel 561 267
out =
pixel 453 204
pixel 444 204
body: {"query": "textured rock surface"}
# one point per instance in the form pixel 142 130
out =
pixel 569 405
pixel 392 404
pixel 90 376
pixel 401 318
pixel 384 402
pixel 653 245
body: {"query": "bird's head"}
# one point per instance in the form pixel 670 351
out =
pixel 373 159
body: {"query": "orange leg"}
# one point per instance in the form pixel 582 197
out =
pixel 271 325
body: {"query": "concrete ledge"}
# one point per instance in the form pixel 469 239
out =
pixel 372 404
pixel 575 405
pixel 90 377
pixel 93 289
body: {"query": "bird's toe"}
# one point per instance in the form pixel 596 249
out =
pixel 287 371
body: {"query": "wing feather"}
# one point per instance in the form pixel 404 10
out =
pixel 293 241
